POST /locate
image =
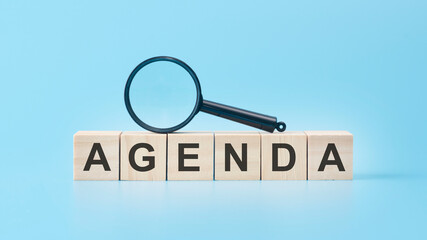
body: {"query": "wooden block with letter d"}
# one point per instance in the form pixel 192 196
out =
pixel 96 155
pixel 284 156
pixel 237 156
pixel 143 156
pixel 190 156
pixel 330 155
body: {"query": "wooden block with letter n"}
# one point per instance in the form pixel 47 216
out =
pixel 143 156
pixel 330 155
pixel 96 155
pixel 190 156
pixel 237 156
pixel 284 156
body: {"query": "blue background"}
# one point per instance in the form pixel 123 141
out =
pixel 318 65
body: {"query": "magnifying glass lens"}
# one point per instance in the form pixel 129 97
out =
pixel 163 94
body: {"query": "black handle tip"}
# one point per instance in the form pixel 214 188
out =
pixel 281 126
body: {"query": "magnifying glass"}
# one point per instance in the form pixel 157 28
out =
pixel 166 100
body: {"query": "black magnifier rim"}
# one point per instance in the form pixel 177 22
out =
pixel 196 106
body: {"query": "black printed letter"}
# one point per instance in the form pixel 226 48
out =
pixel 242 163
pixel 291 163
pixel 182 156
pixel 337 160
pixel 149 159
pixel 103 160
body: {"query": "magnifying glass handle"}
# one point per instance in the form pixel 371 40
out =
pixel 253 119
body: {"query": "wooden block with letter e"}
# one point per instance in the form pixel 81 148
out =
pixel 96 155
pixel 237 156
pixel 330 155
pixel 190 156
pixel 284 156
pixel 143 156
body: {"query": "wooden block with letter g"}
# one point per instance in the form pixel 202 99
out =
pixel 330 155
pixel 96 155
pixel 237 156
pixel 143 156
pixel 284 156
pixel 190 156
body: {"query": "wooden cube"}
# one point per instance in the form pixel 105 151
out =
pixel 330 155
pixel 96 155
pixel 237 156
pixel 143 156
pixel 190 156
pixel 284 156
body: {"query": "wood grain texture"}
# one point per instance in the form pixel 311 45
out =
pixel 134 143
pixel 200 145
pixel 295 142
pixel 84 142
pixel 318 142
pixel 238 140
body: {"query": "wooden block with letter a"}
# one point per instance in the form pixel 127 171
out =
pixel 237 156
pixel 143 156
pixel 96 155
pixel 330 155
pixel 190 156
pixel 284 156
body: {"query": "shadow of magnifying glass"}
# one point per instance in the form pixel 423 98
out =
pixel 253 119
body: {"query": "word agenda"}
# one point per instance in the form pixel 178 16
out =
pixel 309 155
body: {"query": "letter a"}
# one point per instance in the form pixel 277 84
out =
pixel 90 160
pixel 337 159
